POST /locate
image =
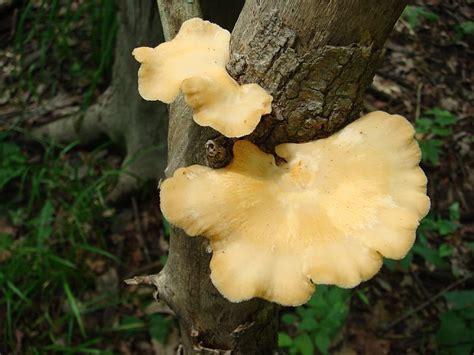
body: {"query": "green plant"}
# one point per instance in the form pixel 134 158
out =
pixel 316 323
pixel 52 205
pixel 72 42
pixel 434 126
pixel 412 15
pixel 465 28
pixel 432 227
pixel 455 334
pixel 157 325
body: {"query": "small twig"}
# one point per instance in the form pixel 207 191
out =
pixel 139 229
pixel 422 288
pixel 420 285
pixel 142 280
pixel 425 304
pixel 163 291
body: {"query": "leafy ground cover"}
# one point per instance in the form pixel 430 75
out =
pixel 64 252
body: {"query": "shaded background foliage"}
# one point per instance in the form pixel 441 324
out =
pixel 64 251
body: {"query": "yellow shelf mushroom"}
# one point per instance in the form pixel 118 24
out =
pixel 194 61
pixel 326 216
pixel 216 95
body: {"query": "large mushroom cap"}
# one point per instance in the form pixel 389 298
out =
pixel 198 47
pixel 218 101
pixel 326 216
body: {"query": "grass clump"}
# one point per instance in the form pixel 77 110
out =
pixel 51 222
pixel 66 42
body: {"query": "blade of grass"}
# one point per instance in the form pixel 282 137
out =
pixel 99 251
pixel 74 307
pixel 16 291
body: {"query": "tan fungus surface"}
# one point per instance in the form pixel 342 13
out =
pixel 218 101
pixel 326 216
pixel 198 47
pixel 194 62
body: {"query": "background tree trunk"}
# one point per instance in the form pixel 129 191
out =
pixel 137 126
pixel 316 58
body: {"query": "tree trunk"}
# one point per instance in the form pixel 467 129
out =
pixel 139 127
pixel 316 58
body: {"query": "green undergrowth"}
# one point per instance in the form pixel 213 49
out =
pixel 66 42
pixel 51 215
pixel 434 128
pixel 414 15
pixel 54 224
pixel 314 325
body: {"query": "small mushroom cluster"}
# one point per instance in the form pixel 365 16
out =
pixel 327 215
pixel 194 62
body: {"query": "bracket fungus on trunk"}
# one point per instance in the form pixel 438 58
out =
pixel 327 215
pixel 194 62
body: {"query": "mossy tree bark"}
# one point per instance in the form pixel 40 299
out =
pixel 316 58
pixel 135 125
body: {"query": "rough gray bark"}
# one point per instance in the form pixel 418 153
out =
pixel 137 126
pixel 174 13
pixel 316 58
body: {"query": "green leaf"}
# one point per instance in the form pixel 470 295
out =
pixel 322 342
pixel 12 162
pixel 6 240
pixel 159 328
pixel 453 330
pixel 304 345
pixel 44 228
pixel 74 307
pixel 130 325
pixel 431 150
pixel 458 300
pixel 442 117
pixel 454 213
pixel 18 292
pixel 390 264
pixel 430 255
pixel 166 227
pixel 445 250
pixel 442 131
pixel 163 259
pixel 412 13
pixel 430 16
pixel 407 260
pixel 284 340
pixel 289 318
pixel 361 294
pixel 446 227
pixel 424 125
pixel 308 323
pixel 428 224
pixel 466 27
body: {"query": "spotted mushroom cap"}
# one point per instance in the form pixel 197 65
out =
pixel 328 215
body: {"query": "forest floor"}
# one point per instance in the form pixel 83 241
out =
pixel 64 252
